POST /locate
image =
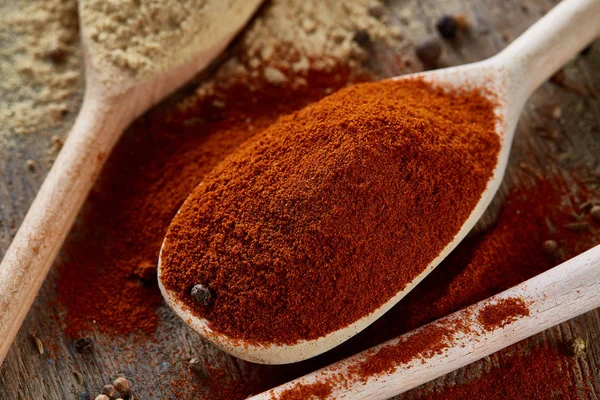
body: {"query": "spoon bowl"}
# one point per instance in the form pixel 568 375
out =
pixel 507 79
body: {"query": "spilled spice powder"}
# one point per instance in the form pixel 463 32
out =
pixel 314 391
pixel 484 264
pixel 425 343
pixel 113 251
pixel 488 262
pixel 502 313
pixel 542 374
pixel 352 195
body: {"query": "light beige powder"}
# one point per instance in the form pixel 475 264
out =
pixel 40 58
pixel 136 39
pixel 317 29
pixel 39 64
pixel 291 37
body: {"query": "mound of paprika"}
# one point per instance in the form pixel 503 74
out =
pixel 323 217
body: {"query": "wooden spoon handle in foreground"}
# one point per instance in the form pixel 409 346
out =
pixel 54 209
pixel 555 296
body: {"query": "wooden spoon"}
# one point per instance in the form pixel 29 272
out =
pixel 107 109
pixel 512 76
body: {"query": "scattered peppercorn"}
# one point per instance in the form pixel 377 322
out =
pixel 577 346
pixel 550 247
pixel 202 294
pixel 595 213
pixel 84 345
pixel 122 385
pixel 109 390
pixel 447 26
pixel 429 51
pixel 30 165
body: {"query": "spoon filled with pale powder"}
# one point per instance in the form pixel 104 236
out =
pixel 135 54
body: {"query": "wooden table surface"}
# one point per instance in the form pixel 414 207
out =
pixel 154 366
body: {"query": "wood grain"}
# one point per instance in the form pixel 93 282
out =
pixel 154 367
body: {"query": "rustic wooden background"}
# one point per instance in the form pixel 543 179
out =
pixel 154 366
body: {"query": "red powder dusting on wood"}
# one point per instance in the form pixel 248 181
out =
pixel 502 313
pixel 489 262
pixel 430 340
pixel 543 374
pixel 312 391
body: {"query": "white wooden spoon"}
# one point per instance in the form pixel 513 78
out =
pixel 108 108
pixel 512 76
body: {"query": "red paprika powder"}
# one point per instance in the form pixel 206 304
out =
pixel 505 311
pixel 112 253
pixel 171 151
pixel 328 213
pixel 316 391
pixel 543 373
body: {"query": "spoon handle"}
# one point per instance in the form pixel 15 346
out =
pixel 545 47
pixel 54 209
pixel 555 296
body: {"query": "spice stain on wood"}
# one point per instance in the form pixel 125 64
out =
pixel 527 212
pixel 502 313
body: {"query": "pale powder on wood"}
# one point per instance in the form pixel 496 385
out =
pixel 289 38
pixel 39 64
pixel 136 39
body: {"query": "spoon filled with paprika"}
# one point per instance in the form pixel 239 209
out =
pixel 135 53
pixel 320 224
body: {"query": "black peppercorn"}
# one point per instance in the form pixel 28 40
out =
pixel 202 294
pixel 429 51
pixel 447 26
pixel 84 345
